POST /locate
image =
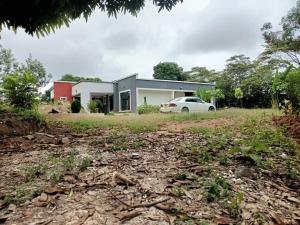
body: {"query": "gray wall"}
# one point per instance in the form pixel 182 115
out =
pixel 140 83
pixel 122 85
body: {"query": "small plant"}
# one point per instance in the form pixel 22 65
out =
pixel 291 173
pixel 146 109
pixel 92 106
pixel 234 205
pixel 85 163
pixel 217 188
pixel 31 172
pixel 204 157
pixel 76 106
pixel 223 160
pixel 55 175
pixel 69 162
pixel 95 142
pixel 178 191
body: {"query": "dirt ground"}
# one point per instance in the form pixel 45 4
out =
pixel 148 178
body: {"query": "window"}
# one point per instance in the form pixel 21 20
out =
pixel 125 101
pixel 191 100
pixel 63 99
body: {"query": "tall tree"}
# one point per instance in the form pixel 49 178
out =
pixel 168 71
pixel 201 74
pixel 285 43
pixel 7 61
pixel 43 16
pixel 70 77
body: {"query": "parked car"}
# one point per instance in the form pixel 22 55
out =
pixel 186 104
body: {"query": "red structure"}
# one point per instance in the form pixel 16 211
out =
pixel 62 90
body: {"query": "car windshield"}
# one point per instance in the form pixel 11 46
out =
pixel 176 99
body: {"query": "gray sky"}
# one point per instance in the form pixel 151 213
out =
pixel 195 33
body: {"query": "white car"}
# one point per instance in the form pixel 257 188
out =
pixel 186 104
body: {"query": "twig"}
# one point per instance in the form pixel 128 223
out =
pixel 150 204
pixel 124 203
pixel 130 215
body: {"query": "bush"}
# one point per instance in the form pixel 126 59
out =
pixel 95 106
pixel 21 90
pixel 144 109
pixel 293 88
pixel 92 106
pixel 75 106
pixel 33 116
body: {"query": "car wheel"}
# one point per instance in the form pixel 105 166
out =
pixel 211 108
pixel 185 109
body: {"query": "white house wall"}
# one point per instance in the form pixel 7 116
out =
pixel 84 89
pixel 154 97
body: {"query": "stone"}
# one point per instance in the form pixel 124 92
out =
pixel 29 137
pixel 43 197
pixel 65 140
pixel 244 171
pixel 293 199
pixel 12 207
pixel 135 155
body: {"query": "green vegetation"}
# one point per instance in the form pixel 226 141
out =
pixel 168 71
pixel 43 17
pixel 70 77
pixel 75 106
pixel 145 109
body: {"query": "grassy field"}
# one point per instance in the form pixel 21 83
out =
pixel 151 122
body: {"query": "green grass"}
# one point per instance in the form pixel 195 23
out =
pixel 151 122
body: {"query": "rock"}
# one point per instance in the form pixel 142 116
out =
pixel 293 199
pixel 29 137
pixel 12 207
pixel 135 155
pixel 53 190
pixel 244 171
pixel 43 197
pixel 54 110
pixel 65 140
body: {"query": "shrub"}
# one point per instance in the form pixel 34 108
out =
pixel 75 106
pixel 21 90
pixel 32 115
pixel 92 106
pixel 144 109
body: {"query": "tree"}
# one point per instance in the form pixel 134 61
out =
pixel 42 17
pixel 37 69
pixel 168 71
pixel 70 77
pixel 238 93
pixel 201 75
pixel 21 89
pixel 285 43
pixel 76 106
pixel 7 62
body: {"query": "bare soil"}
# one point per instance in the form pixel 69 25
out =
pixel 135 179
pixel 12 125
pixel 291 123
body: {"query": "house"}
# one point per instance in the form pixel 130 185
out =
pixel 126 94
pixel 61 91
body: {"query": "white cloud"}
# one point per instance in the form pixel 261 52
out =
pixel 195 33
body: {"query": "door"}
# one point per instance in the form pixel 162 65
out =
pixel 192 104
pixel 201 106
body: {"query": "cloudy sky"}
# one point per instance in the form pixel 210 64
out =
pixel 195 33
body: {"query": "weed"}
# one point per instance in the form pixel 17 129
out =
pixel 204 157
pixel 260 218
pixel 95 142
pixel 137 144
pixel 217 188
pixel 183 175
pixel 55 175
pixel 234 205
pixel 69 162
pixel 33 171
pixel 178 191
pixel 223 160
pixel 291 172
pixel 85 163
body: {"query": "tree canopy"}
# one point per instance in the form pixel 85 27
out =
pixel 71 77
pixel 285 43
pixel 168 71
pixel 43 16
